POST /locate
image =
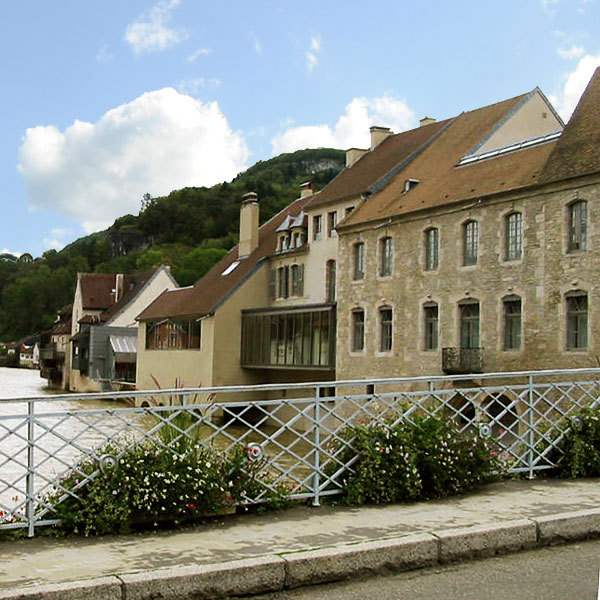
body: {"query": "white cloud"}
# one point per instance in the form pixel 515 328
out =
pixel 95 172
pixel 52 244
pixel 311 53
pixel 572 52
pixel 255 42
pixel 150 32
pixel 575 83
pixel 200 52
pixel 104 55
pixel 7 251
pixel 194 86
pixel 352 128
pixel 61 232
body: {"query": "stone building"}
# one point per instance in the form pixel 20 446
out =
pixel 480 252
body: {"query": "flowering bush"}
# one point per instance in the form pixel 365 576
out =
pixel 152 483
pixel 428 458
pixel 578 453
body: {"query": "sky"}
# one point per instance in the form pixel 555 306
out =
pixel 105 101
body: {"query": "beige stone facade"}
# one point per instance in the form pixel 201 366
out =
pixel 542 278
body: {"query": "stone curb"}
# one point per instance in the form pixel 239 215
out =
pixel 102 588
pixel 568 527
pixel 481 541
pixel 246 576
pixel 363 558
pixel 288 570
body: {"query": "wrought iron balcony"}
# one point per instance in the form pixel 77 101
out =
pixel 460 361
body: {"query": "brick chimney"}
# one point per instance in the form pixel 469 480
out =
pixel 426 121
pixel 248 224
pixel 118 286
pixel 306 189
pixel 378 134
pixel 353 154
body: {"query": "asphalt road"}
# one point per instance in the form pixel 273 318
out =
pixel 556 573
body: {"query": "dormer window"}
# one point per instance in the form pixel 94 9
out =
pixel 409 184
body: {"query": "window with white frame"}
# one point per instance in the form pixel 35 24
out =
pixel 331 223
pixel 317 227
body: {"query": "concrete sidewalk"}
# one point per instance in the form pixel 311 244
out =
pixel 245 554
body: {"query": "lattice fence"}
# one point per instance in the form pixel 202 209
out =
pixel 298 431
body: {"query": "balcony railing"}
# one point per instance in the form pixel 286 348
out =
pixel 461 361
pixel 48 352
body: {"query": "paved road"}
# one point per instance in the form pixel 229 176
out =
pixel 557 573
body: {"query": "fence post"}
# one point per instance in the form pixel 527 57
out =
pixel 530 424
pixel 316 448
pixel 30 506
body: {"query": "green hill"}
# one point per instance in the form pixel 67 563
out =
pixel 190 229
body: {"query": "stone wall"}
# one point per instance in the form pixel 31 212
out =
pixel 542 276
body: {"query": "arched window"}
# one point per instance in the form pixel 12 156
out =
pixel 386 252
pixel 385 329
pixel 359 261
pixel 577 320
pixel 430 326
pixel 358 330
pixel 577 226
pixel 470 242
pixel 511 306
pixel 513 236
pixel 432 248
pixel 469 323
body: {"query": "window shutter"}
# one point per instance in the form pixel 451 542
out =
pixel 301 280
pixel 272 282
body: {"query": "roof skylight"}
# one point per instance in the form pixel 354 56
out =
pixel 230 268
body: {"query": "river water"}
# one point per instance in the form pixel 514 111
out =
pixel 51 453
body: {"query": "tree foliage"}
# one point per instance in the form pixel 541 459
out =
pixel 189 229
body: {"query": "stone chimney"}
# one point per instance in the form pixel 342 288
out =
pixel 248 224
pixel 426 121
pixel 118 286
pixel 353 154
pixel 306 189
pixel 378 134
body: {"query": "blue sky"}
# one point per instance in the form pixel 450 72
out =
pixel 107 100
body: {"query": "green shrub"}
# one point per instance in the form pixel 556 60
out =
pixel 429 458
pixel 578 453
pixel 151 483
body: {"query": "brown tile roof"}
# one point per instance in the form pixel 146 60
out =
pixel 97 291
pixel 377 163
pixel 132 285
pixel 442 182
pixel 204 297
pixel 578 150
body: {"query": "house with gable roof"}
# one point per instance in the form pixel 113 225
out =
pixel 494 263
pixel 102 330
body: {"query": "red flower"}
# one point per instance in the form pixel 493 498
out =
pixel 191 506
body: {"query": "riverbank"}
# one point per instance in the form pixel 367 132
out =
pixel 251 554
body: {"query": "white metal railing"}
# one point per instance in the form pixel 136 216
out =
pixel 297 426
